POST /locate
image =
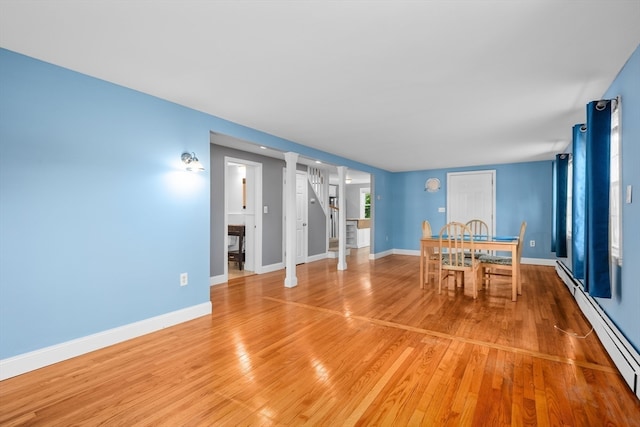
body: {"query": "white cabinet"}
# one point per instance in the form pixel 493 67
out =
pixel 357 237
pixel 364 237
pixel 352 234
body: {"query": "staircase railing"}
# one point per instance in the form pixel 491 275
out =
pixel 320 184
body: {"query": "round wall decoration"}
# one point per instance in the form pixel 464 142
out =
pixel 432 185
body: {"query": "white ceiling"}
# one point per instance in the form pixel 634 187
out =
pixel 400 85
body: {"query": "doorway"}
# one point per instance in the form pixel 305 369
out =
pixel 302 235
pixel 243 198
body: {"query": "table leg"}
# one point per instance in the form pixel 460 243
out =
pixel 422 250
pixel 517 266
pixel 515 273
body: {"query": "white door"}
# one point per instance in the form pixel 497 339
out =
pixel 472 195
pixel 301 217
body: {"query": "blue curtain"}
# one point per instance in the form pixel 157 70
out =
pixel 561 173
pixel 554 204
pixel 598 282
pixel 578 206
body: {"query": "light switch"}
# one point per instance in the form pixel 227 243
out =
pixel 265 209
pixel 628 198
pixel 442 210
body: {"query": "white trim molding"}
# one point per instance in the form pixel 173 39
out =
pixel 383 254
pixel 317 257
pixel 217 280
pixel 272 267
pixel 624 356
pixel 539 261
pixel 26 362
pixel 412 252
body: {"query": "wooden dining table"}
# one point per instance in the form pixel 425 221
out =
pixel 480 243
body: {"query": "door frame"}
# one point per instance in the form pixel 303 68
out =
pixel 490 172
pixel 303 176
pixel 284 216
pixel 256 244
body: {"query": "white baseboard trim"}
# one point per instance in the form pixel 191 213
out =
pixel 625 357
pixel 412 252
pixel 217 280
pixel 334 254
pixel 539 261
pixel 318 257
pixel 273 267
pixel 26 362
pixel 382 254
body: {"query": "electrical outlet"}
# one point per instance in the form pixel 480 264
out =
pixel 532 243
pixel 184 279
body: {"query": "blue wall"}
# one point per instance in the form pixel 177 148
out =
pixel 624 306
pixel 523 193
pixel 97 221
pixel 97 218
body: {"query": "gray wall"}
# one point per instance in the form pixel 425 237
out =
pixel 352 200
pixel 271 196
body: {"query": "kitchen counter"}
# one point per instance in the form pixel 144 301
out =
pixel 361 222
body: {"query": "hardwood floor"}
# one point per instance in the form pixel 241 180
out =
pixel 233 272
pixel 365 346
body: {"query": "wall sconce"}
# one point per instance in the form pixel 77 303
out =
pixel 192 164
pixel 347 181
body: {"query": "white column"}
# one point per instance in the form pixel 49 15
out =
pixel 290 279
pixel 342 219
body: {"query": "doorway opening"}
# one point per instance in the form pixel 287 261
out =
pixel 243 219
pixel 359 211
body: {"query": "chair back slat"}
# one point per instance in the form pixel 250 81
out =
pixel 478 227
pixel 455 240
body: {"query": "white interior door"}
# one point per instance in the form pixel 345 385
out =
pixel 472 195
pixel 301 217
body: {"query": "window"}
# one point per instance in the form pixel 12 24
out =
pixel 365 203
pixel 615 196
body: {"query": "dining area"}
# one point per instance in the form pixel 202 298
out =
pixel 470 249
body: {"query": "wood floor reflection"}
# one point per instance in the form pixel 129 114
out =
pixel 365 346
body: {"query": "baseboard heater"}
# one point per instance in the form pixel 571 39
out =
pixel 624 356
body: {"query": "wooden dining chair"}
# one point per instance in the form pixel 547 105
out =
pixel 478 227
pixel 495 265
pixel 455 240
pixel 431 258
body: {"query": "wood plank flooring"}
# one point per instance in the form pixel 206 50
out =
pixel 365 346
